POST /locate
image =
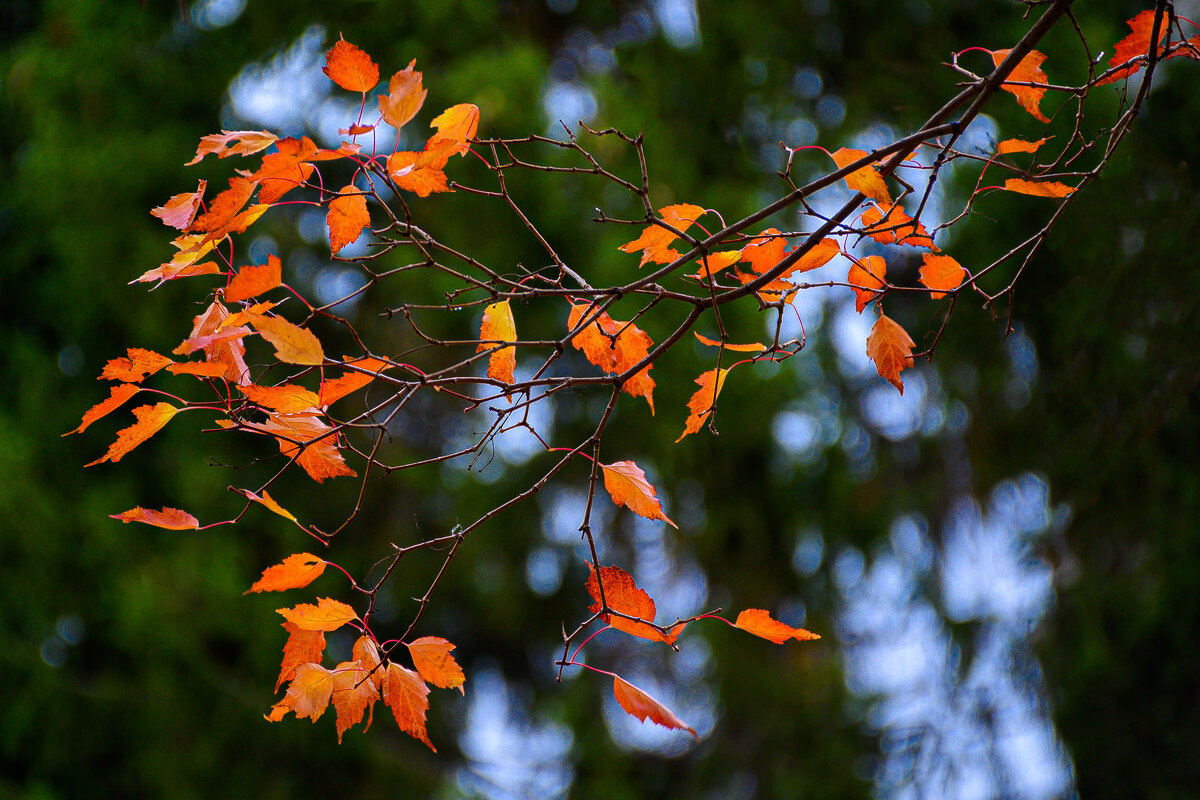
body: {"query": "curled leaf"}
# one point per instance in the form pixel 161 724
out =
pixel 232 143
pixel 643 706
pixel 180 210
pixel 170 518
pixel 498 326
pixel 759 622
pixel 890 347
pixel 622 594
pixel 701 403
pixel 431 656
pixel 627 485
pixel 150 420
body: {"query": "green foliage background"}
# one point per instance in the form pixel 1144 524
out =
pixel 163 694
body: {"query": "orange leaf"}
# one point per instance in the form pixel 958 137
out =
pixel 869 273
pixel 701 403
pixel 942 273
pixel 310 690
pixel 766 257
pixel 366 652
pixel 337 388
pixel 890 347
pixel 627 485
pixel 347 217
pixel 293 344
pixel 355 130
pixel 224 208
pixel 753 347
pixel 223 334
pixel 643 706
pixel 302 647
pixel 319 456
pixel 327 615
pixel 287 398
pixel 712 264
pixel 1019 146
pixel 1134 45
pixel 296 572
pixel 192 247
pixel 759 622
pixel 350 68
pixel 201 369
pixel 624 596
pixel 893 226
pixel 150 420
pixel 353 694
pixel 457 124
pixel 1038 188
pixel 244 143
pixel 765 251
pixel 230 352
pixel 180 210
pixel 421 173
pixel 407 695
pixel 431 656
pixel 170 518
pixel 655 240
pixel 136 366
pixel 254 279
pixel 404 98
pixel 614 347
pixel 498 326
pixel 268 502
pixel 1028 71
pixel 285 169
pixel 866 179
pixel 116 398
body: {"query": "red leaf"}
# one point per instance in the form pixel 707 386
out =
pixel 615 347
pixel 759 622
pixel 350 68
pixel 170 518
pixel 116 398
pixel 254 279
pixel 643 706
pixel 623 595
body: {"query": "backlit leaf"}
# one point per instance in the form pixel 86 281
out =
pixel 353 694
pixel 150 420
pixel 285 169
pixel 753 347
pixel 233 143
pixel 347 217
pixel 267 501
pixel 627 485
pixel 287 398
pixel 890 347
pixel 180 210
pixel 293 344
pixel 421 173
pixel 643 706
pixel 224 208
pixel 892 225
pixel 306 438
pixel 1019 146
pixel 498 326
pixel 655 240
pixel 431 656
pixel 715 262
pixel 1134 45
pixel 170 518
pixel 337 388
pixel 760 623
pixel 623 595
pixel 230 352
pixel 302 647
pixel 869 273
pixel 615 347
pixel 116 398
pixel 327 615
pixel 201 369
pixel 701 402
pixel 457 124
pixel 254 279
pixel 309 692
pixel 350 68
pixel 942 273
pixel 407 695
pixel 296 572
pixel 1038 188
pixel 866 179
pixel 404 98
pixel 1027 71
pixel 135 366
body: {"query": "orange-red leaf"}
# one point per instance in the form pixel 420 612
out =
pixel 293 344
pixel 327 615
pixel 767 256
pixel 296 572
pixel 624 596
pixel 353 694
pixel 655 240
pixel 302 647
pixel 866 179
pixel 266 500
pixel 715 262
pixel 1028 71
pixel 941 273
pixel 627 485
pixel 753 347
pixel 421 172
pixel 336 388
pixel 868 272
pixel 701 403
pixel 890 347
pixel 498 326
pixel 254 279
pixel 150 420
pixel 287 398
pixel 244 143
pixel 404 98
pixel 457 124
pixel 1019 146
pixel 408 697
pixel 191 247
pixel 137 365
pixel 180 210
pixel 116 398
pixel 310 690
pixel 1134 45
pixel 230 351
pixel 643 706
pixel 614 347
pixel 891 225
pixel 201 369
pixel 319 457
pixel 223 210
pixel 350 68
pixel 170 518
pixel 347 217
pixel 366 652
pixel 285 169
pixel 1038 188
pixel 760 623
pixel 431 656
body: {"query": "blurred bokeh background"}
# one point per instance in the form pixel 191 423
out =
pixel 1004 562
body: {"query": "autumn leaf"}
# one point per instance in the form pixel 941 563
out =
pixel 867 272
pixel 366 652
pixel 431 656
pixel 223 335
pixel 1027 71
pixel 347 217
pixel 233 143
pixel 498 326
pixel 150 420
pixel 116 398
pixel 137 365
pixel 457 124
pixel 892 225
pixel 643 706
pixel 766 256
pixel 200 369
pixel 624 596
pixel 230 352
pixel 254 279
pixel 1038 188
pixel 701 403
pixel 941 273
pixel 296 572
pixel 302 647
pixel 1019 146
pixel 192 247
pixel 407 695
pixel 350 68
pixel 327 615
pixel 180 210
pixel 1135 47
pixel 286 398
pixel 866 179
pixel 421 173
pixel 306 438
pixel 890 347
pixel 655 240
pixel 223 210
pixel 759 622
pixel 404 98
pixel 615 347
pixel 170 518
pixel 711 264
pixel 627 485
pixel 753 347
pixel 285 169
pixel 337 388
pixel 268 502
pixel 309 692
pixel 353 694
pixel 293 344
